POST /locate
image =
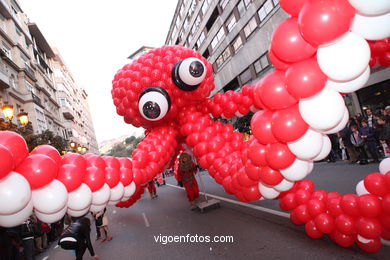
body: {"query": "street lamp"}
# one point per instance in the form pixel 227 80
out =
pixel 23 117
pixel 77 148
pixel 8 111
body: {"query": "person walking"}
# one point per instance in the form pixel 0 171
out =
pixel 103 225
pixel 152 189
pixel 28 231
pixel 98 235
pixel 369 141
pixel 186 174
pixel 77 237
pixel 358 143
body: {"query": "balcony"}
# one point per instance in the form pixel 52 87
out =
pixel 66 112
pixel 36 99
pixel 29 71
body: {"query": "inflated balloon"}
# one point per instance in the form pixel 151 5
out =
pixel 75 159
pixel 345 59
pixel 324 21
pixel 50 218
pixel 78 213
pixel 17 218
pixel 372 27
pixel 129 191
pixel 38 169
pixel 80 198
pixel 384 166
pixel 116 193
pixel 325 150
pixel 15 193
pixel 50 198
pixel 15 144
pixel 268 192
pixel 308 146
pixel 279 156
pixel 96 208
pixel 101 196
pixel 49 151
pixel 71 176
pixel 94 178
pixel 293 7
pixel 373 7
pixel 341 125
pixel 6 163
pixel 361 189
pixel 261 127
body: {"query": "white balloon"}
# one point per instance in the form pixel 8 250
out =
pixel 371 7
pixel 324 110
pixel 78 213
pixel 17 218
pixel 284 185
pixel 129 191
pixel 341 125
pixel 308 146
pixel 384 166
pixel 80 198
pixel 117 192
pixel 96 208
pixel 326 147
pixel 268 192
pixel 346 59
pixel 102 195
pixel 361 189
pixel 50 198
pixel 297 171
pixel 372 27
pixel 15 193
pixel 351 85
pixel 311 166
pixel 51 218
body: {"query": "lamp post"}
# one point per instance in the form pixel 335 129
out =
pixel 8 111
pixel 76 148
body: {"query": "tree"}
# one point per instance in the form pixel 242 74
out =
pixel 129 140
pixel 46 137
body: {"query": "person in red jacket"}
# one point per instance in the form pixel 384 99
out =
pixel 186 174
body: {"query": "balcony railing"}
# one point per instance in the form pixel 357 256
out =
pixel 36 99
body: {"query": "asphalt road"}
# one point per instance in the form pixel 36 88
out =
pixel 256 234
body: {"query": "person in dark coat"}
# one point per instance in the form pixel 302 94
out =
pixel 368 136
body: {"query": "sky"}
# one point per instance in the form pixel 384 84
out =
pixel 95 38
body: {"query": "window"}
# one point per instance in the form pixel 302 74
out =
pixel 205 6
pixel 181 12
pixel 200 39
pixel 30 87
pixel 192 8
pixel 237 44
pixel 223 57
pixel 261 64
pixel 214 16
pixel 6 50
pixel 243 6
pixel 13 84
pixel 18 31
pixel 265 9
pixel 224 3
pixel 217 39
pixel 231 22
pixel 246 76
pixel 2 22
pixel 250 27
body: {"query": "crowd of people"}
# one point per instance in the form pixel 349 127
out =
pixel 364 139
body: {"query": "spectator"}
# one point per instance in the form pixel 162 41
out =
pixel 39 236
pixel 387 113
pixel 368 136
pixel 369 118
pixel 342 147
pixel 357 142
pixel 103 225
pixel 29 230
pixel 346 138
pixel 333 152
pixel 384 135
pixel 97 224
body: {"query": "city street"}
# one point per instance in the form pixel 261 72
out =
pixel 256 234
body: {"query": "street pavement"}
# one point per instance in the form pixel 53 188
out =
pixel 256 234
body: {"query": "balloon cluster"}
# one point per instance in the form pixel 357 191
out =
pixel 49 185
pixel 347 219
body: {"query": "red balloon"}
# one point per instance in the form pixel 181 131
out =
pixel 94 178
pixel 15 144
pixel 288 202
pixel 272 91
pixel 95 161
pixel 375 183
pixel 6 162
pixel 261 127
pixel 372 61
pixel 385 234
pixel 111 162
pixel 316 207
pixel 349 204
pixel 311 230
pixel 227 185
pixel 385 220
pixel 252 193
pixel 386 204
pixel 343 240
pixel 288 44
pixel 334 206
pixel 75 159
pixel 252 171
pixel 369 205
pixel 279 156
pixel 320 195
pixel 305 79
pixel 302 214
pixel 38 169
pixel 244 180
pixel 71 176
pixel 324 21
pixel 125 162
pixel 345 224
pixel 302 196
pixel 292 7
pixel 278 64
pixel 257 153
pixel 270 176
pixel 307 185
pixel 288 124
pixel 126 176
pixel 49 151
pixel 368 227
pixel 384 59
pixel 372 246
pixel 325 223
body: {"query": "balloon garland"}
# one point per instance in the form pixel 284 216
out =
pixel 166 91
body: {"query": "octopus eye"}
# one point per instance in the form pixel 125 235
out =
pixel 154 103
pixel 189 73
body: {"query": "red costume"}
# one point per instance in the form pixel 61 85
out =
pixel 186 174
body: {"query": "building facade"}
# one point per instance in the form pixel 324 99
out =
pixel 234 35
pixel 27 80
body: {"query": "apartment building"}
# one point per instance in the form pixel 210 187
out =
pixel 28 81
pixel 234 35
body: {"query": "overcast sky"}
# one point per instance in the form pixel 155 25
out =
pixel 95 38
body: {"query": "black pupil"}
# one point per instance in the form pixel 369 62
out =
pixel 151 110
pixel 196 69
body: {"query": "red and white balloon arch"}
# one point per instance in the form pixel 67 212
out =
pixel 324 49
